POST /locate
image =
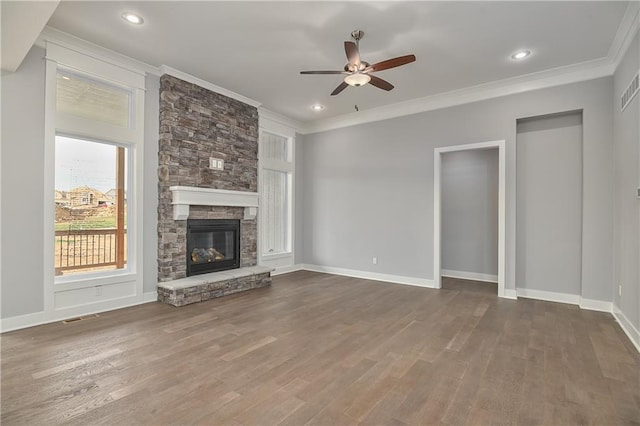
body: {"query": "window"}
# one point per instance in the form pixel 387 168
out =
pixel 276 193
pixel 275 203
pixel 93 166
pixel 91 99
pixel 90 225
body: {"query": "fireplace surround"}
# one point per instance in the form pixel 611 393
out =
pixel 195 125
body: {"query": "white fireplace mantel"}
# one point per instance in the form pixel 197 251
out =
pixel 186 196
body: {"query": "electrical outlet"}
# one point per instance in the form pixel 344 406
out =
pixel 99 291
pixel 620 290
pixel 375 260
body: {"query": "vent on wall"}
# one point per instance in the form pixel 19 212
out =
pixel 630 92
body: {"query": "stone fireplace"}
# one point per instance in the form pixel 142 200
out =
pixel 195 125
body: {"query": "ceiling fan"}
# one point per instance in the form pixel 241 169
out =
pixel 358 72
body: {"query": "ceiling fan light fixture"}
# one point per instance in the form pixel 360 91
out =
pixel 357 79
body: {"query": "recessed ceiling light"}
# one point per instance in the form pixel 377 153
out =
pixel 132 18
pixel 317 107
pixel 520 54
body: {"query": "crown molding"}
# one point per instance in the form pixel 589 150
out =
pixel 52 35
pixel 95 51
pixel 584 71
pixel 267 114
pixel 626 32
pixel 164 69
pixel 540 80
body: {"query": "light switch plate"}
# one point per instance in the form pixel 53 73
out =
pixel 216 163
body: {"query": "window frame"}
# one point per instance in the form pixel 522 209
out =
pixel 80 280
pixel 282 259
pixel 74 291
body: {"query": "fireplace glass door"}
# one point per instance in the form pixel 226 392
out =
pixel 212 245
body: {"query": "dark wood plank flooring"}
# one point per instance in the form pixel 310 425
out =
pixel 328 350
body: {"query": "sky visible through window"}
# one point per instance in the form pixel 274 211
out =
pixel 84 163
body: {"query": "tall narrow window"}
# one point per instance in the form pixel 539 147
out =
pixel 276 195
pixel 275 202
pixel 94 154
pixel 91 206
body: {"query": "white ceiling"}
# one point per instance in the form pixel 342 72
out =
pixel 258 48
pixel 21 24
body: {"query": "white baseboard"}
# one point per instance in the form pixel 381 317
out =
pixel 396 279
pixel 510 293
pixel 287 270
pixel 595 305
pixel 464 275
pixel 39 318
pixel 549 296
pixel 627 326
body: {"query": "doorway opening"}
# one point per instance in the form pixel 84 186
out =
pixel 471 254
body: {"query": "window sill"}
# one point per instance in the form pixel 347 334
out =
pixel 93 280
pixel 277 256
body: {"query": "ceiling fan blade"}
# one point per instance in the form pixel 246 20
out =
pixel 352 54
pixel 380 83
pixel 339 89
pixel 391 63
pixel 323 72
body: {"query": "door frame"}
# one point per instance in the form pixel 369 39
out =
pixel 437 188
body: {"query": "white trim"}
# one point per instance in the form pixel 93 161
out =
pixel 595 305
pixel 627 326
pixel 437 158
pixel 278 123
pixel 625 34
pixel 185 196
pixel 50 34
pixel 464 275
pixel 287 270
pixel 548 296
pixel 39 318
pixel 510 293
pixel 89 65
pixel 396 279
pixel 164 69
pixel 525 83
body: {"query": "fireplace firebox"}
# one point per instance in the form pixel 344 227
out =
pixel 212 245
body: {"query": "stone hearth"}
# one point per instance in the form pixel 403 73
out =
pixel 200 288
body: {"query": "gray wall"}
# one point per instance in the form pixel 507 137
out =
pixel 549 203
pixel 469 196
pixel 368 189
pixel 627 180
pixel 23 186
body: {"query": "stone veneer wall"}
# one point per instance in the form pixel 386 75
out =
pixel 195 124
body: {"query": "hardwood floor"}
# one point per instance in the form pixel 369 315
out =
pixel 329 350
